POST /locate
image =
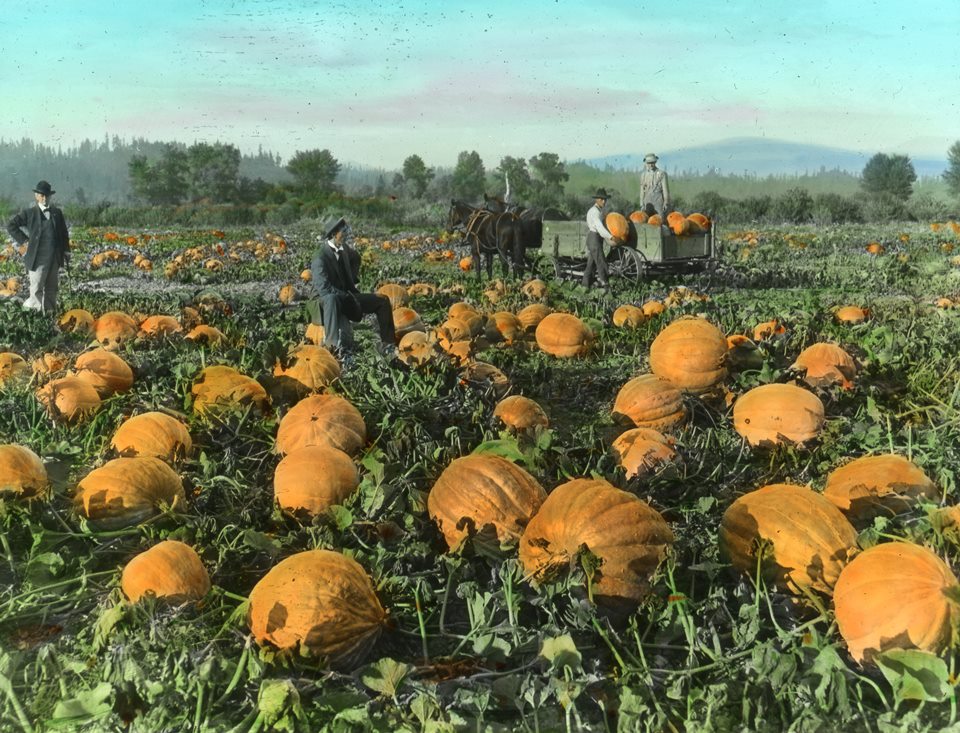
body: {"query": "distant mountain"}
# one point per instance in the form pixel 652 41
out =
pixel 759 157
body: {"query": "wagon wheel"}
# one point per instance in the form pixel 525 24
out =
pixel 627 263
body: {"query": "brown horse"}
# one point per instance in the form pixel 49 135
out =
pixel 489 233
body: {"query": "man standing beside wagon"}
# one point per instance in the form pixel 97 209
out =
pixel 654 191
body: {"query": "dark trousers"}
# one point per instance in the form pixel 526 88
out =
pixel 337 336
pixel 595 261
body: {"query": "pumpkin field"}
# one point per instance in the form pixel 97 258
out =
pixel 707 502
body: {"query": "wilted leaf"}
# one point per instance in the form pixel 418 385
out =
pixel 561 652
pixel 385 676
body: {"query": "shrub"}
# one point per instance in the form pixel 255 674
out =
pixel 794 206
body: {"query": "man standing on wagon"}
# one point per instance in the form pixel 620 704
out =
pixel 44 230
pixel 597 233
pixel 654 192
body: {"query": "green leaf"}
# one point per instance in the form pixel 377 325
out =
pixel 385 676
pixel 259 541
pixel 561 652
pixel 341 516
pixel 279 702
pixel 106 623
pixel 504 447
pixel 84 707
pixel 915 675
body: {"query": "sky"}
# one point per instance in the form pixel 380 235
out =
pixel 377 81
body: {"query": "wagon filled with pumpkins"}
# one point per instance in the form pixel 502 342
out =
pixel 678 244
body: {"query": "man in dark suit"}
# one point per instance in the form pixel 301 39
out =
pixel 335 269
pixel 44 230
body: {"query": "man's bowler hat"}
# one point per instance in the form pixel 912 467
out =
pixel 44 188
pixel 601 194
pixel 335 226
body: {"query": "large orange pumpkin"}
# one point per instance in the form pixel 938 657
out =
pixel 160 326
pixel 531 315
pixel 617 225
pixel 205 335
pixel 114 328
pixel 563 335
pixel 77 320
pixel 406 320
pixel 309 369
pixel 805 539
pixel 641 451
pixel 503 326
pixel 153 434
pixel 69 399
pixel 318 603
pixel 778 413
pixel 310 480
pixel 521 414
pixel 322 419
pixel 126 491
pixel 878 485
pixel 483 492
pixel 895 596
pixel 13 368
pixel 22 473
pixel 104 371
pixel 649 401
pixel 629 537
pixel 396 294
pixel 170 570
pixel 628 316
pixel 222 389
pixel 638 217
pixel 417 348
pixel 851 314
pixel 535 288
pixel 690 354
pixel 826 364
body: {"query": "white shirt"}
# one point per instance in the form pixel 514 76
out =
pixel 595 223
pixel 336 249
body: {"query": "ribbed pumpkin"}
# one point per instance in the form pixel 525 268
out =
pixel 77 320
pixel 396 294
pixel 22 473
pixel 461 309
pixel 535 288
pixel 563 335
pixel 69 399
pixel 314 334
pixel 322 419
pixel 851 314
pixel 649 401
pixel 309 369
pixel 617 225
pixel 778 413
pixel 701 220
pixel 894 596
pixel 638 217
pixel 628 316
pixel 690 354
pixel 417 348
pixel 653 308
pixel 520 414
pixel 310 480
pixel 878 485
pixel 826 364
pixel 484 376
pixel 114 328
pixel 480 491
pixel 13 368
pixel 170 570
pixel 654 220
pixel 451 331
pixel 153 434
pixel 531 315
pixel 222 389
pixel 126 491
pixel 287 293
pixel 205 335
pixel 104 371
pixel 628 536
pixel 50 363
pixel 160 326
pixel 318 603
pixel 406 320
pixel 422 290
pixel 503 326
pixel 641 451
pixel 809 538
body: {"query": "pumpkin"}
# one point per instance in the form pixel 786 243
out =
pixel 314 334
pixel 654 220
pixel 649 401
pixel 306 276
pixel 153 434
pixel 160 326
pixel 69 399
pixel 312 479
pixel 531 315
pixel 422 289
pixel 563 335
pixel 628 537
pixel 483 492
pixel 535 288
pixel 49 363
pixel 742 353
pixel 466 264
pixel 104 371
pixel 701 220
pixel 641 451
pixel 13 368
pixel 690 354
pixel 484 376
pixel 617 225
pixel 473 321
pixel 878 485
pixel 653 308
pixel 628 316
pixel 317 603
pixel 417 348
pixel 520 414
pixel 309 369
pixel 638 217
pixel 127 491
pixel 495 291
pixel 322 419
pixel 396 294
pixel 778 413
pixel 22 473
pixel 169 570
pixel 503 326
pixel 114 328
pixel 679 225
pixel 768 329
pixel 406 320
pixel 851 314
pixel 222 389
pixel 287 294
pixel 205 335
pixel 77 320
pixel 451 331
pixel 805 539
pixel 895 596
pixel 826 364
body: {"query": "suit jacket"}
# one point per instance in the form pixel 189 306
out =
pixel 337 277
pixel 29 219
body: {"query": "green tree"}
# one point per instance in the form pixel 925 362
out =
pixel 952 174
pixel 416 173
pixel 162 182
pixel 469 176
pixel 549 176
pixel 213 171
pixel 314 170
pixel 517 183
pixel 891 175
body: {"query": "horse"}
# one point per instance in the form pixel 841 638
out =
pixel 489 233
pixel 530 220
